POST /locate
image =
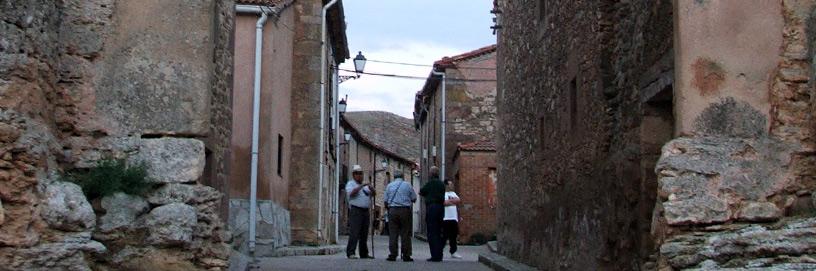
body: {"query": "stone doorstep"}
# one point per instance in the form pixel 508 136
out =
pixel 268 251
pixel 493 246
pixel 501 263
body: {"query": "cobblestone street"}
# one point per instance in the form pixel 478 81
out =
pixel 338 261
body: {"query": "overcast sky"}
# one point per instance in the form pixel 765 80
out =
pixel 410 31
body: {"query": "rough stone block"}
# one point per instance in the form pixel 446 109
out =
pixel 65 254
pixel 183 193
pixel 171 224
pixel 699 178
pixel 779 246
pixel 121 211
pixel 759 212
pixel 172 160
pixel 66 208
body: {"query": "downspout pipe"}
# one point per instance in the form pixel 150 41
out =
pixel 256 113
pixel 442 175
pixel 323 72
pixel 336 83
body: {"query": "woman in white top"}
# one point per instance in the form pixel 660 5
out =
pixel 450 224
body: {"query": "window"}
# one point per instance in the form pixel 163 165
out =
pixel 280 155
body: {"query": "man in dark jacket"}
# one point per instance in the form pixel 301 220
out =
pixel 434 194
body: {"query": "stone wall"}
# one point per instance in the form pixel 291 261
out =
pixel 740 179
pixel 304 177
pixel 84 80
pixel 218 140
pixel 578 128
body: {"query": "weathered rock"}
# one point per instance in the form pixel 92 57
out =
pixel 742 247
pixel 8 133
pixel 172 160
pixel 171 224
pixel 66 208
pixel 759 212
pixel 183 193
pixel 121 211
pixel 24 229
pixel 66 254
pixel 2 213
pixel 700 178
pixel 150 258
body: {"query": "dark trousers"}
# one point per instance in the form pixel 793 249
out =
pixel 400 223
pixel 358 231
pixel 450 230
pixel 434 215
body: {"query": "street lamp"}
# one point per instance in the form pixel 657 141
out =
pixel 359 63
pixel 341 106
pixel 384 163
pixel 347 136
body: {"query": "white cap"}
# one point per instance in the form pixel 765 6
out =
pixel 356 168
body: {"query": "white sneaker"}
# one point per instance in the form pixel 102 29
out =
pixel 456 256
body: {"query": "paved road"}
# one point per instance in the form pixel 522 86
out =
pixel 339 262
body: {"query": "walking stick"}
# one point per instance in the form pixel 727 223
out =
pixel 371 211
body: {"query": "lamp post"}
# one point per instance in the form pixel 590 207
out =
pixel 340 108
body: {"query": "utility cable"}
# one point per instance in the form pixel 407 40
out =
pixel 425 65
pixel 420 77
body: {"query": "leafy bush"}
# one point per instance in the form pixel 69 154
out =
pixel 478 239
pixel 111 176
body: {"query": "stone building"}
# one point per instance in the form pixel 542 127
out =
pixel 376 137
pixel 310 202
pixel 470 108
pixel 288 122
pixel 470 102
pixel 643 135
pixel 148 81
pixel 474 180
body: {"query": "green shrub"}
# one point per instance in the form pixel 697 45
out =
pixel 478 239
pixel 111 176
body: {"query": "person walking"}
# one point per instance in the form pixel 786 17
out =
pixel 399 196
pixel 450 223
pixel 434 194
pixel 359 199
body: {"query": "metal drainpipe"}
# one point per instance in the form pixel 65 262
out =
pixel 320 166
pixel 336 84
pixel 256 113
pixel 442 175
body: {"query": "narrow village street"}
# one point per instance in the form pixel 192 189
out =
pixel 564 135
pixel 469 261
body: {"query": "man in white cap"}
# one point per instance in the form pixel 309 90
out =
pixel 359 198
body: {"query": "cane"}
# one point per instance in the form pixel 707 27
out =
pixel 371 214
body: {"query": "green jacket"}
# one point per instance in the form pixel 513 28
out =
pixel 433 192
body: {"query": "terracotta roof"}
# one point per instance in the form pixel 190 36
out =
pixel 447 62
pixel 478 146
pixel 385 131
pixel 258 2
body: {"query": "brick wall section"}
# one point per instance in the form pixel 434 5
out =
pixel 218 140
pixel 569 115
pixel 475 183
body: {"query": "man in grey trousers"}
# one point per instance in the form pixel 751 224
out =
pixel 399 196
pixel 359 199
